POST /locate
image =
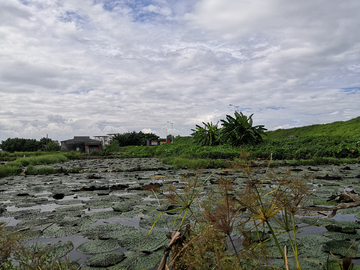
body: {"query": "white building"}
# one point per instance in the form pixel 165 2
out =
pixel 105 139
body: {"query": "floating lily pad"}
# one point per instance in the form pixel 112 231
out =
pixel 123 206
pixel 98 246
pixel 350 224
pixel 312 247
pixel 98 204
pixel 70 208
pixel 134 213
pixel 55 249
pixel 77 221
pixel 105 259
pixel 69 202
pixel 334 265
pixel 24 214
pixel 342 248
pixel 103 214
pixel 55 231
pixel 107 231
pixel 141 262
pixel 305 265
pixel 135 241
pixel 28 235
pixel 164 222
pixel 342 236
pixel 325 203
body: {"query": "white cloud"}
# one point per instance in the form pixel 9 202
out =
pixel 97 67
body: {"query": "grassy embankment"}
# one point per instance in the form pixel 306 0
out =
pixel 332 143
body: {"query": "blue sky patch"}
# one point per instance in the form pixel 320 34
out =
pixel 350 90
pixel 139 9
pixel 70 16
pixel 275 108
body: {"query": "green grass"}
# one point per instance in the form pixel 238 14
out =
pixel 345 129
pixel 194 164
pixel 14 167
pixel 8 170
pixel 32 170
pixel 39 160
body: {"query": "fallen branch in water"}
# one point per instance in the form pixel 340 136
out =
pixel 355 203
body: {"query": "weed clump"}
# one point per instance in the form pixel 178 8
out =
pixel 16 255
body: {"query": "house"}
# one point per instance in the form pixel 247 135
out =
pixel 81 143
pixel 105 140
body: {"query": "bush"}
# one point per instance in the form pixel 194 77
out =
pixel 240 130
pixel 32 170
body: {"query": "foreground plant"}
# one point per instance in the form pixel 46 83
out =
pixel 231 225
pixel 16 255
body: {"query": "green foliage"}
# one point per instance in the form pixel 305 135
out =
pixel 53 146
pixel 240 130
pixel 32 170
pixel 17 144
pixel 235 131
pixel 207 135
pixel 8 170
pixel 180 163
pixel 307 148
pixel 72 154
pixel 345 129
pixel 134 138
pixel 15 167
pixel 40 160
pixel 28 145
pixel 16 255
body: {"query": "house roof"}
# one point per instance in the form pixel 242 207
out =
pixel 82 139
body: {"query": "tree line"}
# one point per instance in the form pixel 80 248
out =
pixel 134 138
pixel 29 145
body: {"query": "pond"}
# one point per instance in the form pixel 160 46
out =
pixel 108 208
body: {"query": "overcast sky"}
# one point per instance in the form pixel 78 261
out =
pixel 92 67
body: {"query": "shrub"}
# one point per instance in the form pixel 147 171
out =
pixel 240 130
pixel 209 135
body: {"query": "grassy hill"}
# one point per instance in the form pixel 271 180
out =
pixel 346 129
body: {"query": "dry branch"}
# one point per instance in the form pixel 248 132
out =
pixel 355 203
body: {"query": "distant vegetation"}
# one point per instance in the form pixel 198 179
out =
pixel 29 145
pixel 134 138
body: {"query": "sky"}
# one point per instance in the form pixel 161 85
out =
pixel 94 67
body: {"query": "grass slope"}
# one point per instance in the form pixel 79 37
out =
pixel 345 129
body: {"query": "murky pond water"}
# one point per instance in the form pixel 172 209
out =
pixel 111 208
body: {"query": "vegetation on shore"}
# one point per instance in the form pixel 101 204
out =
pixel 333 143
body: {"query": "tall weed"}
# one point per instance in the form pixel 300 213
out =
pixel 230 224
